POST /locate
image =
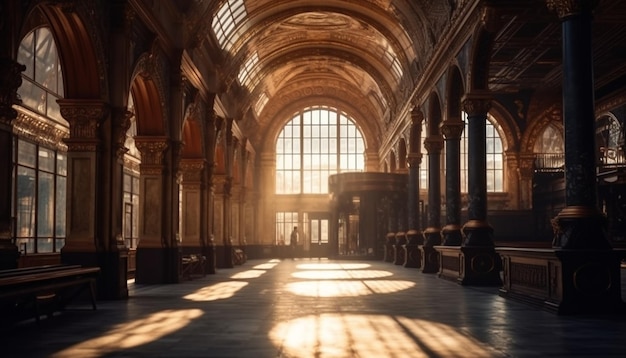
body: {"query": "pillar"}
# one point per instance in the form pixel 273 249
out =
pixel 480 265
pixel 451 232
pixel 10 72
pixel 413 255
pixel 83 184
pixel 192 241
pixel 155 249
pixel 432 234
pixel 590 271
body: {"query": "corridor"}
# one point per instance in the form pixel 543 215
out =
pixel 315 308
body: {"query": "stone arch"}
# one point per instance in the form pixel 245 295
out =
pixel 455 89
pixel 434 114
pixel 505 125
pixel 536 128
pixel 192 133
pixel 148 97
pixel 79 46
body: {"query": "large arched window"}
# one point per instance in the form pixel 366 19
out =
pixel 317 142
pixel 495 157
pixel 39 163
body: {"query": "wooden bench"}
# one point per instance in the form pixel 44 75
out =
pixel 192 264
pixel 31 291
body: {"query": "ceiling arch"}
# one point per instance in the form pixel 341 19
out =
pixel 269 46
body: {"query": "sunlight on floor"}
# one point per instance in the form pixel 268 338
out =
pixel 218 291
pixel 329 288
pixel 349 335
pixel 337 266
pixel 337 274
pixel 247 274
pixel 133 334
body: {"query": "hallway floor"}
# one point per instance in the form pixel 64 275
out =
pixel 315 308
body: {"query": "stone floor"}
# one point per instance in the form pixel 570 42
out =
pixel 315 308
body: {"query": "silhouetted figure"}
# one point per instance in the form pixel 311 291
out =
pixel 293 241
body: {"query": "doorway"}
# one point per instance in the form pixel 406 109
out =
pixel 319 233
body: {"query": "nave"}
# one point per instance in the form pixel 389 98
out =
pixel 315 308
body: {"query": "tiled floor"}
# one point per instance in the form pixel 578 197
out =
pixel 316 308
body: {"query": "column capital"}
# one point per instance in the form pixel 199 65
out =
pixel 152 150
pixel 10 80
pixel 476 103
pixel 417 116
pixel 565 8
pixel 452 129
pixel 433 144
pixel 84 117
pixel 414 160
pixel 191 170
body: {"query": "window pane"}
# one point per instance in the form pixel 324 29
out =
pixel 25 54
pixel 26 154
pixel 61 164
pixel 45 208
pixel 46 160
pixel 60 209
pixel 25 198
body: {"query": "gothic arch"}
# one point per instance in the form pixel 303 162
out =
pixel 534 130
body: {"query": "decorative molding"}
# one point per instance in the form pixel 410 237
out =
pixel 152 152
pixel 433 144
pixel 476 104
pixel 191 170
pixel 529 275
pixel 122 121
pixel 10 81
pixel 84 117
pixel 40 129
pixel 565 8
pixel 452 130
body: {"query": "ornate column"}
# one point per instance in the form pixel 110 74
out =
pixel 192 241
pixel 413 256
pixel 451 232
pixel 222 208
pixel 83 182
pixel 11 80
pixel 480 265
pixel 432 234
pixel 154 247
pixel 590 273
pixel 580 224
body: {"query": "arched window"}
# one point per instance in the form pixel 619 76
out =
pixel 495 157
pixel 549 150
pixel 39 164
pixel 317 142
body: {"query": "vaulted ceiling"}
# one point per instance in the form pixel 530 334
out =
pixel 269 58
pixel 362 55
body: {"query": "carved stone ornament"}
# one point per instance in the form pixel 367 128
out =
pixel 476 104
pixel 452 129
pixel 10 81
pixel 417 116
pixel 565 8
pixel 433 144
pixel 191 170
pixel 152 150
pixel 414 160
pixel 84 117
pixel 40 129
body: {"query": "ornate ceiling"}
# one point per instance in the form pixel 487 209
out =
pixel 266 59
pixel 362 55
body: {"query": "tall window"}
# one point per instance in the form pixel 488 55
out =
pixel 285 222
pixel 132 159
pixel 495 157
pixel 40 170
pixel 316 143
pixel 610 141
